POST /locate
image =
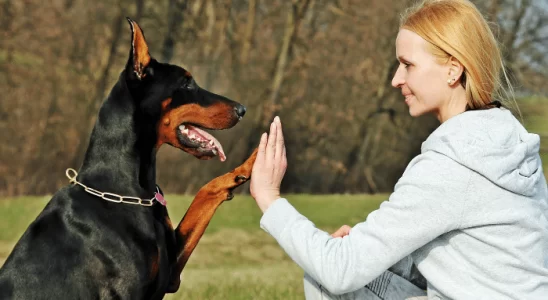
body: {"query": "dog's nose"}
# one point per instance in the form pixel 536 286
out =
pixel 240 110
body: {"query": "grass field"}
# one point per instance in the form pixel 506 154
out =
pixel 235 258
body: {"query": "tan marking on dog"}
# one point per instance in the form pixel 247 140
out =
pixel 216 116
pixel 141 56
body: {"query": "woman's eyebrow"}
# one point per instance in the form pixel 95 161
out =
pixel 402 58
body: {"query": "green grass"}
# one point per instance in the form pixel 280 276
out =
pixel 235 259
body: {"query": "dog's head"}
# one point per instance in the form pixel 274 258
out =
pixel 170 95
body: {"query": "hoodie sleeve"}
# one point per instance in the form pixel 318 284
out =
pixel 427 202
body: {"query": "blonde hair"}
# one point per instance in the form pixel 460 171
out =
pixel 456 28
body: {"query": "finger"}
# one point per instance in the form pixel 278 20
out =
pixel 279 140
pixel 341 232
pixel 284 161
pixel 336 233
pixel 345 230
pixel 262 148
pixel 271 144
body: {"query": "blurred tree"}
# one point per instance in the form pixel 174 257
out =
pixel 324 66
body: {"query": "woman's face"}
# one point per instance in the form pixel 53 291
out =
pixel 422 79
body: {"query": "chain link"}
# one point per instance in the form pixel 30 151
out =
pixel 71 174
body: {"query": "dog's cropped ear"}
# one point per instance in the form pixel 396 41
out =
pixel 139 58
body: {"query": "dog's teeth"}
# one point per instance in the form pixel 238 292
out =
pixel 185 131
pixel 211 143
pixel 214 151
pixel 182 127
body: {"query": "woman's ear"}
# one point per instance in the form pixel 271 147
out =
pixel 456 71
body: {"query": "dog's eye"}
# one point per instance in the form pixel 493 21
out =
pixel 188 85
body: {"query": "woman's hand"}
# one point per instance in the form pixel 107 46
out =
pixel 343 231
pixel 269 167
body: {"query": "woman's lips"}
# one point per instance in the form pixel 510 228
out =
pixel 408 98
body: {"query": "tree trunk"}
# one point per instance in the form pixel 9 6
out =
pixel 174 17
pixel 268 110
pixel 512 35
pixel 140 5
pixel 100 91
pixel 248 34
pixel 360 155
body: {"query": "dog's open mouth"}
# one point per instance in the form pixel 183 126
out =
pixel 203 143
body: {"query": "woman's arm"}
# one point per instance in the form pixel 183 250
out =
pixel 427 202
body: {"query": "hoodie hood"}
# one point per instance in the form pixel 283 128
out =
pixel 494 144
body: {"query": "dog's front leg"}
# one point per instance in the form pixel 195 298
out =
pixel 201 210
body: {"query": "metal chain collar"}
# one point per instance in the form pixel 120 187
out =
pixel 71 174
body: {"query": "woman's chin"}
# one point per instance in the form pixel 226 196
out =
pixel 415 112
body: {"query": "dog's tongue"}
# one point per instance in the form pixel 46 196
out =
pixel 209 137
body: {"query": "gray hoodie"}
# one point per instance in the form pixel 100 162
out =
pixel 471 210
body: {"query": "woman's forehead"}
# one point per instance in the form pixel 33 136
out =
pixel 409 43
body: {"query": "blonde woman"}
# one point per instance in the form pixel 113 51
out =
pixel 470 213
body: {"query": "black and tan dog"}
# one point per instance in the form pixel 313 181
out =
pixel 108 235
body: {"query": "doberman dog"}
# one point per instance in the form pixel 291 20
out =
pixel 108 235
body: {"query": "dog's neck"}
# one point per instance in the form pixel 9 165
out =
pixel 121 154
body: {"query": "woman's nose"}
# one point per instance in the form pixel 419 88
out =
pixel 398 79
